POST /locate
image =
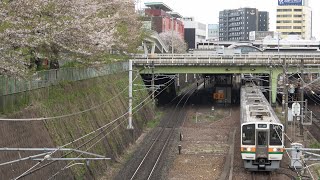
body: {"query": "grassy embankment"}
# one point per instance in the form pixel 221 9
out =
pixel 71 97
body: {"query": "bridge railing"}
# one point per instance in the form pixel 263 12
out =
pixel 281 56
pixel 189 60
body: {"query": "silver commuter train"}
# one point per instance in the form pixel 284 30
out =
pixel 262 140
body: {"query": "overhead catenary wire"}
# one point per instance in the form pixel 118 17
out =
pixel 62 169
pixel 282 140
pixel 68 115
pixel 165 77
pixel 285 146
pixel 98 129
pixel 69 143
pixel 149 100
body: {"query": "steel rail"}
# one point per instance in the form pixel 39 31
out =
pixel 154 142
pixel 167 142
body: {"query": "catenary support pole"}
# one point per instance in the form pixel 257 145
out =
pixel 302 97
pixel 152 84
pixel 130 96
pixel 270 86
pixel 285 91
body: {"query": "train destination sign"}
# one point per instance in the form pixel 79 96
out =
pixel 290 2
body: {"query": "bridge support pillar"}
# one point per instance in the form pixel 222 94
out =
pixel 153 48
pixel 145 48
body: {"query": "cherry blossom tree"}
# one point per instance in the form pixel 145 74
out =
pixel 83 27
pixel 174 39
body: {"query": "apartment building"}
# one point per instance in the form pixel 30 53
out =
pixel 235 24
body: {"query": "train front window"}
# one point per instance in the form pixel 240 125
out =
pixel 262 138
pixel 248 134
pixel 275 135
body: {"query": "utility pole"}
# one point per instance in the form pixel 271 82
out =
pixel 301 96
pixel 130 96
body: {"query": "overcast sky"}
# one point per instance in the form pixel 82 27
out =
pixel 207 11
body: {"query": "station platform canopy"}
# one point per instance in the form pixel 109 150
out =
pixel 158 5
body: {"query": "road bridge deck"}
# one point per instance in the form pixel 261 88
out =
pixel 230 64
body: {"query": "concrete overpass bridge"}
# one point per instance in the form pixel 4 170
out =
pixel 230 64
pixel 153 44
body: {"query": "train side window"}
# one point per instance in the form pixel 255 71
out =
pixel 275 135
pixel 248 134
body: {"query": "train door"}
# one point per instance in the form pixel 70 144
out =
pixel 262 147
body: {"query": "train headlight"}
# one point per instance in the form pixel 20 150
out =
pixel 276 150
pixel 248 149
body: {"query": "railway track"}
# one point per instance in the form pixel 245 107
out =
pixel 261 175
pixel 315 129
pixel 148 166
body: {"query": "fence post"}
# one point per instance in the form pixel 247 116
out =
pixel 6 85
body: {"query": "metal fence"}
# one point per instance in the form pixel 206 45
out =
pixel 9 85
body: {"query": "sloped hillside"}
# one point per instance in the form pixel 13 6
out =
pixel 99 101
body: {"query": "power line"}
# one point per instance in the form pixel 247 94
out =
pixel 95 143
pixel 94 132
pixel 74 141
pixel 69 115
pixel 134 113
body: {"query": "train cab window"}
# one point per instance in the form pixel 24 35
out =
pixel 275 135
pixel 248 134
pixel 262 138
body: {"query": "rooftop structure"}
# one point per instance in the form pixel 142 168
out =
pixel 162 19
pixel 158 5
pixel 176 15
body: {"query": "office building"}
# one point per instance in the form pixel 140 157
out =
pixel 235 24
pixel 294 17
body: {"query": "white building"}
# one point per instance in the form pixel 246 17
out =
pixel 293 43
pixel 213 32
pixel 194 32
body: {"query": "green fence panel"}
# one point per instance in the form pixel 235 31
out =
pixel 2 85
pixel 51 77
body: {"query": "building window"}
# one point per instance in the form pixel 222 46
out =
pixel 284 27
pixel 298 10
pixel 284 15
pixel 297 27
pixel 285 21
pixel 284 10
pixel 297 21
